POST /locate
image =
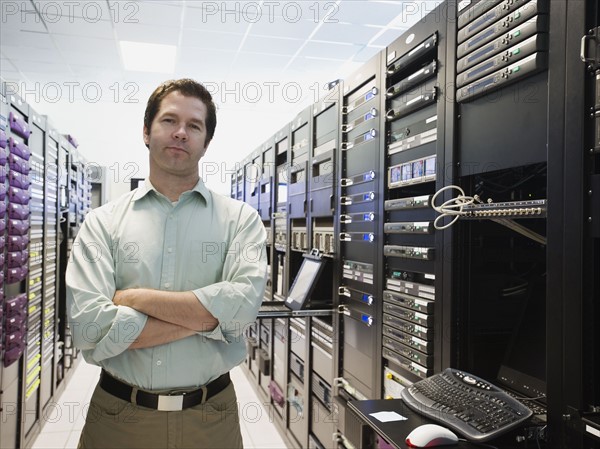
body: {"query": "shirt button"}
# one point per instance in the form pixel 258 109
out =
pixel 170 250
pixel 171 216
pixel 167 285
pixel 159 363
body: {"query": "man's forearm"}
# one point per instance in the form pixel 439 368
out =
pixel 157 332
pixel 181 308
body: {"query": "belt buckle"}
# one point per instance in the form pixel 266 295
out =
pixel 170 403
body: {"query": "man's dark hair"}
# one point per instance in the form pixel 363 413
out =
pixel 189 88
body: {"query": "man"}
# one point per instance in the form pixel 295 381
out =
pixel 160 286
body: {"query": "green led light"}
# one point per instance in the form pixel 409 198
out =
pixel 517 51
pixel 516 34
pixel 516 69
pixel 517 15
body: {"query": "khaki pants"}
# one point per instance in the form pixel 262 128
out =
pixel 114 423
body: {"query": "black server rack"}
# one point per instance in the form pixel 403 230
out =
pixel 323 227
pixel 359 216
pixel 589 394
pixel 573 227
pixel 502 91
pixel 322 165
pixel 416 166
pixel 297 388
pixel 278 385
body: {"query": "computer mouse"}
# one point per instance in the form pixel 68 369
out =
pixel 431 435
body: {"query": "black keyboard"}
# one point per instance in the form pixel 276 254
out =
pixel 467 404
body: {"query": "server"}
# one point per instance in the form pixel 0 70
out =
pixel 42 200
pixel 464 182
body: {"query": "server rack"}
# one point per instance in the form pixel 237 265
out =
pixel 15 276
pixel 51 268
pixel 278 383
pixel 324 225
pixel 500 273
pixel 359 215
pixel 297 392
pixel 416 166
pixel 498 101
pixel 33 354
pixel 45 194
pixel 573 227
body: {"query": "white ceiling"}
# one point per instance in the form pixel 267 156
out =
pixel 268 57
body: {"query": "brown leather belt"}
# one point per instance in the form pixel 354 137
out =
pixel 162 402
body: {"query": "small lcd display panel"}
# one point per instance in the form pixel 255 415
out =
pixel 304 284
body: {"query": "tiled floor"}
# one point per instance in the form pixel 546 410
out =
pixel 64 419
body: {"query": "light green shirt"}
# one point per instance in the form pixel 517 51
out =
pixel 205 243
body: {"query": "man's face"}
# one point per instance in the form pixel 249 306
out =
pixel 177 135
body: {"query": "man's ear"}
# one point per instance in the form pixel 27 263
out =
pixel 146 135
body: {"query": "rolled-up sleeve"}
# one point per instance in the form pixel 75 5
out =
pixel 235 301
pixel 99 327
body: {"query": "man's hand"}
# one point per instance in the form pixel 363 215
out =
pixel 120 298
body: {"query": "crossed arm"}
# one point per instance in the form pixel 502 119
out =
pixel 171 315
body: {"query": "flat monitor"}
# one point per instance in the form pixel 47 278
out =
pixel 524 366
pixel 305 283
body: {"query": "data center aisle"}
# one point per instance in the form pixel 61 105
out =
pixel 64 419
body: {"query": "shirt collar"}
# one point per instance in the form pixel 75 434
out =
pixel 147 187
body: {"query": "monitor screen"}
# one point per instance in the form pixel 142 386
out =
pixel 524 366
pixel 303 284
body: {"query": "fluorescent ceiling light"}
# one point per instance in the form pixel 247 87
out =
pixel 143 57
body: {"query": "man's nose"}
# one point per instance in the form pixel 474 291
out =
pixel 180 133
